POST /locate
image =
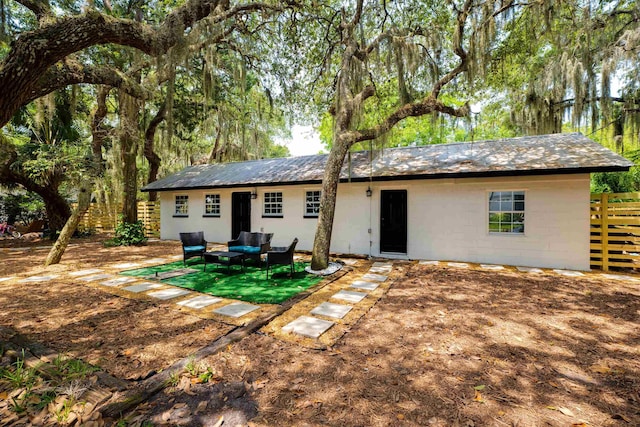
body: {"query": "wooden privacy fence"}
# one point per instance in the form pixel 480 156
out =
pixel 615 230
pixel 101 218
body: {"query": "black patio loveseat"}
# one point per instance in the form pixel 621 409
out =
pixel 252 245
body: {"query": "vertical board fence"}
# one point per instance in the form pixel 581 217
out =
pixel 100 218
pixel 615 230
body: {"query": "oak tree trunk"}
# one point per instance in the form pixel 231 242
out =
pixel 129 136
pixel 149 153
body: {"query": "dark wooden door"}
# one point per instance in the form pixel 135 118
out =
pixel 393 221
pixel 240 213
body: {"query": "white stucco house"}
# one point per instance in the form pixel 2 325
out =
pixel 520 201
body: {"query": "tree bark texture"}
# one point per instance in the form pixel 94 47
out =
pixel 328 197
pixel 60 245
pixel 149 153
pixel 129 136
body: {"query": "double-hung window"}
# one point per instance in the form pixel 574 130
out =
pixel 312 204
pixel 506 212
pixel 212 205
pixel 182 205
pixel 272 204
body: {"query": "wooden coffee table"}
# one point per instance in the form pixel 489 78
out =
pixel 224 258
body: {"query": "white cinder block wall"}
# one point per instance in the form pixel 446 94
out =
pixel 447 219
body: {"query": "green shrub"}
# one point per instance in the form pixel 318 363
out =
pixel 128 234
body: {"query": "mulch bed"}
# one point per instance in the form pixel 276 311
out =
pixel 442 347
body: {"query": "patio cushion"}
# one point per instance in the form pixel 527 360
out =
pixel 194 248
pixel 245 249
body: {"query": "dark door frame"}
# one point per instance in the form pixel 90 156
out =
pixel 240 212
pixel 393 221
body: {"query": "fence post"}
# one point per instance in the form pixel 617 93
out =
pixel 604 230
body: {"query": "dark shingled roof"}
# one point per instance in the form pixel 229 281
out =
pixel 531 155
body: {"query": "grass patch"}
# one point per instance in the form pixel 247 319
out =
pixel 251 286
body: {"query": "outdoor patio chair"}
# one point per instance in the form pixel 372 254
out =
pixel 193 245
pixel 282 256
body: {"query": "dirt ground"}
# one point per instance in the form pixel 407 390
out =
pixel 443 347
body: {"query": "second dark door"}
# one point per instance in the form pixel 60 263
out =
pixel 240 213
pixel 393 221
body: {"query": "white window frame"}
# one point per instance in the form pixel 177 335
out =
pixel 272 204
pixel 181 205
pixel 510 213
pixel 213 205
pixel 312 207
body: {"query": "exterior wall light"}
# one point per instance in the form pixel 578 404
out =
pixel 254 194
pixel 369 192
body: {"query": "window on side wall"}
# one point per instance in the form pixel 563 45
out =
pixel 212 205
pixel 312 204
pixel 506 212
pixel 272 204
pixel 182 205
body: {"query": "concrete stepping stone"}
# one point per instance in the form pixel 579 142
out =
pixel 199 301
pixel 169 274
pixel 308 326
pixel 377 264
pixel 166 294
pixel 532 270
pixel 429 262
pixel 146 286
pixel 610 276
pixel 330 309
pixel 374 277
pixel 458 264
pixel 155 261
pixel 379 270
pixel 350 261
pixel 118 281
pixel 236 309
pixel 367 286
pixel 85 272
pixel 95 277
pixel 4 279
pixel 126 265
pixel 350 296
pixel 36 279
pixel 176 257
pixel 569 273
pixel 492 267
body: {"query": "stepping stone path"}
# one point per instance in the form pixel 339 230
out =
pixel 308 326
pixel 374 277
pixel 36 279
pixel 236 309
pixel 146 286
pixel 569 273
pixel 85 272
pixel 118 281
pixel 492 267
pixel 532 270
pixel 95 277
pixel 429 263
pixel 199 301
pixel 350 262
pixel 350 296
pixel 166 294
pixel 367 286
pixel 329 309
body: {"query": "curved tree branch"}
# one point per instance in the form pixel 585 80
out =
pixel 33 53
pixel 41 8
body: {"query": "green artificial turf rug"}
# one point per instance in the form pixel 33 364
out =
pixel 251 286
